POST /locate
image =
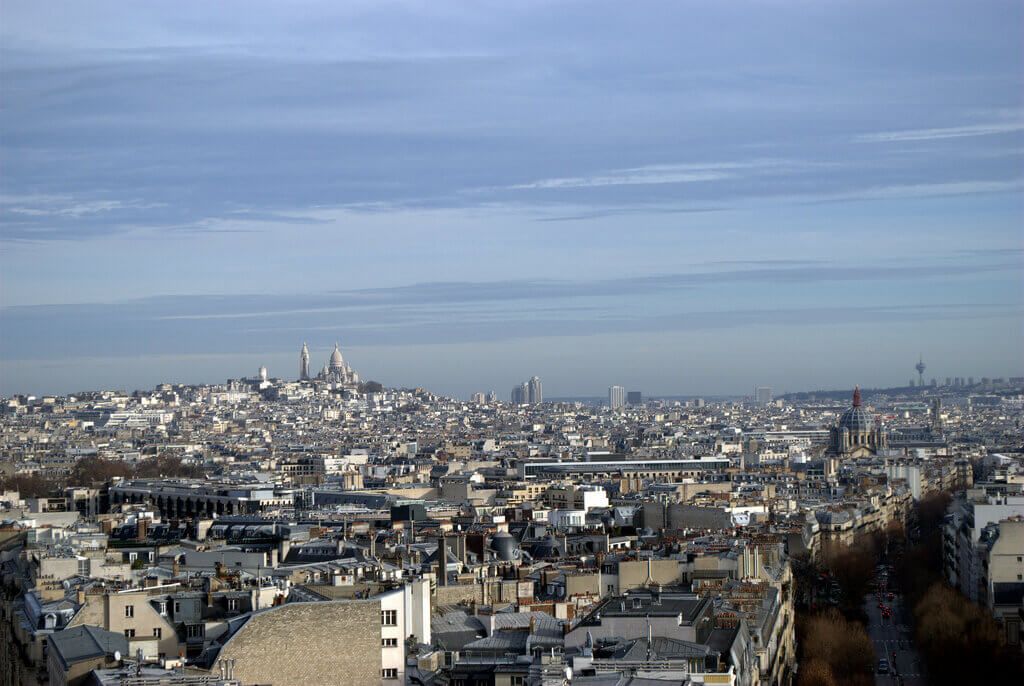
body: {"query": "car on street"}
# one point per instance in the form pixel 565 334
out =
pixel 883 666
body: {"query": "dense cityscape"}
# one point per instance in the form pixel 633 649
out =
pixel 275 531
pixel 490 343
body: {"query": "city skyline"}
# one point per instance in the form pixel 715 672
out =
pixel 337 371
pixel 709 196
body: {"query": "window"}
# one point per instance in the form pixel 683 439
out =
pixel 195 630
pixel 177 607
pixel 389 617
pixel 389 642
pixel 129 633
pixel 129 610
pixel 518 680
pixel 389 673
pixel 157 633
pixel 232 604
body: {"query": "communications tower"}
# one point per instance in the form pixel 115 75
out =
pixel 920 367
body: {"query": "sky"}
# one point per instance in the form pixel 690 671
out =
pixel 677 197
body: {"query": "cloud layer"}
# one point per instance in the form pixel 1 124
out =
pixel 195 177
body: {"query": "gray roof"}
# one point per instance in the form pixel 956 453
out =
pixel 455 629
pixel 653 604
pixel 664 648
pixel 84 643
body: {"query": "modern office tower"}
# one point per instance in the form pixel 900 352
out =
pixel 949 381
pixel 634 398
pixel 762 395
pixel 617 397
pixel 699 402
pixel 304 363
pixel 492 397
pixel 920 367
pixel 535 391
pixel 519 394
pixel 264 374
pixel 479 398
pixel 970 380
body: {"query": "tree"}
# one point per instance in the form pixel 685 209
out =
pixel 843 646
pixel 31 485
pixel 816 673
pixel 90 471
pixel 853 568
pixel 167 466
pixel 958 638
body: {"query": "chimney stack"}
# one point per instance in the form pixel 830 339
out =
pixel 442 561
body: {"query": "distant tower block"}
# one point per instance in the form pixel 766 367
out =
pixel 920 367
pixel 304 363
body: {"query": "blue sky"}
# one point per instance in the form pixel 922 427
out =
pixel 678 197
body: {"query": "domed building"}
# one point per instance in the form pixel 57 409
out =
pixel 335 370
pixel 857 434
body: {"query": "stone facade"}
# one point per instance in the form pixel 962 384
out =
pixel 298 644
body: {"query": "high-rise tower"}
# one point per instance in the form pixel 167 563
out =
pixel 535 391
pixel 304 363
pixel 617 397
pixel 920 367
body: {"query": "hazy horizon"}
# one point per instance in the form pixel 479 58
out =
pixel 680 198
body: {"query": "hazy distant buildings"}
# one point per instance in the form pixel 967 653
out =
pixel 529 392
pixel 535 391
pixel 634 398
pixel 762 395
pixel 617 397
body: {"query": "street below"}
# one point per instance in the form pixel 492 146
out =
pixel 892 641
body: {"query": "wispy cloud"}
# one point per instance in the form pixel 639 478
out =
pixel 67 206
pixel 992 129
pixel 627 177
pixel 922 190
pixel 657 174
